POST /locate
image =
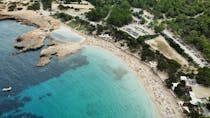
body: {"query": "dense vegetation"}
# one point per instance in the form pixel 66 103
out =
pixel 195 31
pixel 82 25
pixel 172 8
pixel 147 54
pixel 181 90
pixel 98 13
pixel 203 76
pixel 63 16
pixel 69 1
pixel 47 4
pixel 141 39
pixel 12 6
pixel 119 17
pixel 120 12
pixel 208 106
pixel 188 18
pixel 34 6
pixel 101 3
pixel 62 7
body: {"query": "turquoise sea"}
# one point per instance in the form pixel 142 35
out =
pixel 89 84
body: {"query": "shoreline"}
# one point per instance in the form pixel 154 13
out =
pixel 162 99
pixel 152 101
pixel 5 16
pixel 164 102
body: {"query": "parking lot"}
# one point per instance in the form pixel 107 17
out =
pixel 136 30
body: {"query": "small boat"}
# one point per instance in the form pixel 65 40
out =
pixel 7 89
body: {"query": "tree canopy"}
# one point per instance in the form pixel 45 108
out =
pixel 98 13
pixel 188 18
pixel 120 13
pixel 119 17
pixel 47 4
pixel 203 76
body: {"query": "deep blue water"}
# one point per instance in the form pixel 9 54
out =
pixel 89 84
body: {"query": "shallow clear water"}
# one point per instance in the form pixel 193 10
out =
pixel 65 34
pixel 89 84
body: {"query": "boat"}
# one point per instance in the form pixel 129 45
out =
pixel 7 89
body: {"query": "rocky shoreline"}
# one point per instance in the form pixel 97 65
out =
pixel 30 41
pixel 58 48
pixel 6 17
pixel 18 19
pixel 35 40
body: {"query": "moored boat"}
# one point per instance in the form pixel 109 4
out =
pixel 7 89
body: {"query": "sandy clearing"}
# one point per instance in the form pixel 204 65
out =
pixel 159 43
pixel 83 8
pixel 201 92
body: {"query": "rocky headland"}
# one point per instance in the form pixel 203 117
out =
pixel 58 48
pixel 35 39
pixel 30 41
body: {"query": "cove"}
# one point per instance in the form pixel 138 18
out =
pixel 91 83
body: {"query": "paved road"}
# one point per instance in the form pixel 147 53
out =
pixel 193 53
pixel 110 11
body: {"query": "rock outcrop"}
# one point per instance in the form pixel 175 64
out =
pixel 6 17
pixel 58 48
pixel 30 41
pixel 36 39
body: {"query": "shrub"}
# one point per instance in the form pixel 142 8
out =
pixel 34 6
pixel 47 4
pixel 63 16
pixel 97 14
pixel 203 76
pixel 208 106
pixel 180 89
pixel 12 6
pixel 119 17
pixel 147 54
pixel 168 83
pixel 61 7
pixel 141 39
pixel 159 28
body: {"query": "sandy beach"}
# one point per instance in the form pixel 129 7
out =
pixel 162 98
